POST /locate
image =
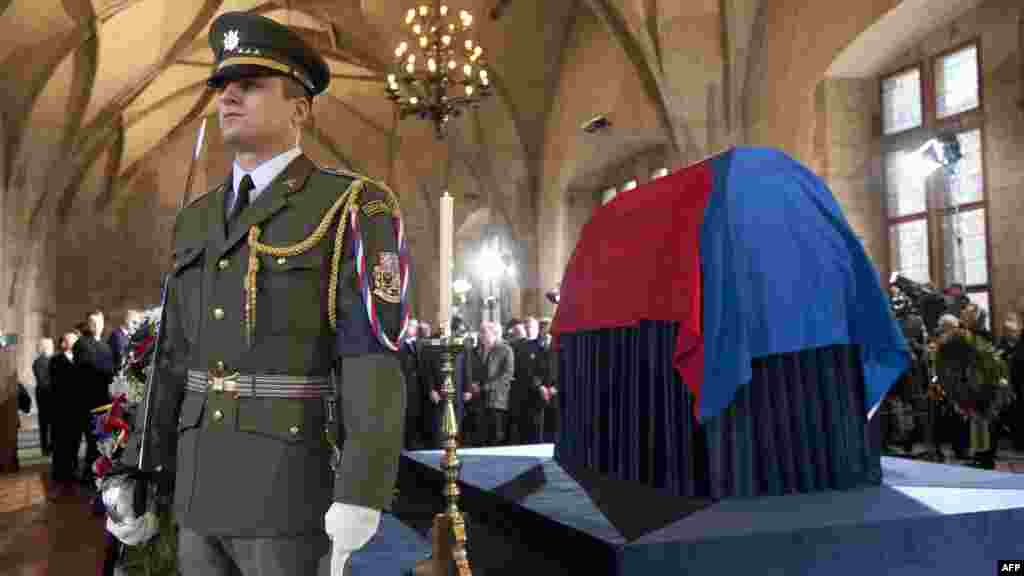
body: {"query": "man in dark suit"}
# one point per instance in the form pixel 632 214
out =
pixel 94 371
pixel 551 415
pixel 67 408
pixel 409 355
pixel 529 391
pixel 44 393
pixel 121 336
pixel 283 315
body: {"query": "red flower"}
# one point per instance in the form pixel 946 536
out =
pixel 102 466
pixel 143 346
pixel 112 423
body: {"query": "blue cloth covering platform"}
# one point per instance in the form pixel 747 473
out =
pixel 392 551
pixel 923 519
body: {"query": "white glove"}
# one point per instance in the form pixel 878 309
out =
pixel 135 531
pixel 350 528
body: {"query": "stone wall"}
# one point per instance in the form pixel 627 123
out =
pixel 846 147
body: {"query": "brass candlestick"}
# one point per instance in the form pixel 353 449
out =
pixel 449 538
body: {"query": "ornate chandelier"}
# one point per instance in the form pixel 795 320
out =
pixel 441 71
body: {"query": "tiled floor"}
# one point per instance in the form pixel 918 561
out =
pixel 46 538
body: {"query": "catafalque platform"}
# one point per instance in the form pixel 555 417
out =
pixel 529 515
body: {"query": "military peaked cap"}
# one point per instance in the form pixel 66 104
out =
pixel 247 45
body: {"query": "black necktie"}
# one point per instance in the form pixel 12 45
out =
pixel 241 199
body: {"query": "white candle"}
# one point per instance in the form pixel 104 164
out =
pixel 445 278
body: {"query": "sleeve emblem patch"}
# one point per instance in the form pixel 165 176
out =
pixel 387 278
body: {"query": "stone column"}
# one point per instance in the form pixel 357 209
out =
pixel 849 159
pixel 552 248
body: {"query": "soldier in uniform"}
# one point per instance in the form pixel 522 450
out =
pixel 282 314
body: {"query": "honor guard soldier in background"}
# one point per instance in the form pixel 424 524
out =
pixel 278 398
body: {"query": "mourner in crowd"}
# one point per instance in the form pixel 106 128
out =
pixel 551 413
pixel 515 331
pixel 1017 381
pixel 492 372
pixel 44 394
pixel 94 370
pixel 414 393
pixel 121 336
pixel 530 394
pixel 67 431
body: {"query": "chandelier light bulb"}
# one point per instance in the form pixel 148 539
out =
pixel 436 38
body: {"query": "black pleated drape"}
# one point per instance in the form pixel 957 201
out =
pixel 798 426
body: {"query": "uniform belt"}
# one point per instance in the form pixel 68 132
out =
pixel 261 385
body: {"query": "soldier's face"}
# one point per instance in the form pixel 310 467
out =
pixel 255 114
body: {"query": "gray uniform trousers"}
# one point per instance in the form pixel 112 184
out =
pixel 200 555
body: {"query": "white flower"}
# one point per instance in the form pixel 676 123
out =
pixel 231 40
pixel 106 447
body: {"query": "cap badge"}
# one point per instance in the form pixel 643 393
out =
pixel 231 40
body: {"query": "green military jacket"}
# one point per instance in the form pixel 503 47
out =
pixel 261 466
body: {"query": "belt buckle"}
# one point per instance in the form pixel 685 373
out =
pixel 221 381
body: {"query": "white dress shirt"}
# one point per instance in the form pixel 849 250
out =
pixel 349 526
pixel 263 174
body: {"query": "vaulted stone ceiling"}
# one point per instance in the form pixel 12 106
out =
pixel 138 68
pixel 100 92
pixel 103 99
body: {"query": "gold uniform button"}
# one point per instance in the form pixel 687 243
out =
pixel 218 415
pixel 218 313
pixel 281 261
pixel 223 264
pixel 294 430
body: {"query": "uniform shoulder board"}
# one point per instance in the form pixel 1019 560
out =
pixel 343 172
pixel 373 207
